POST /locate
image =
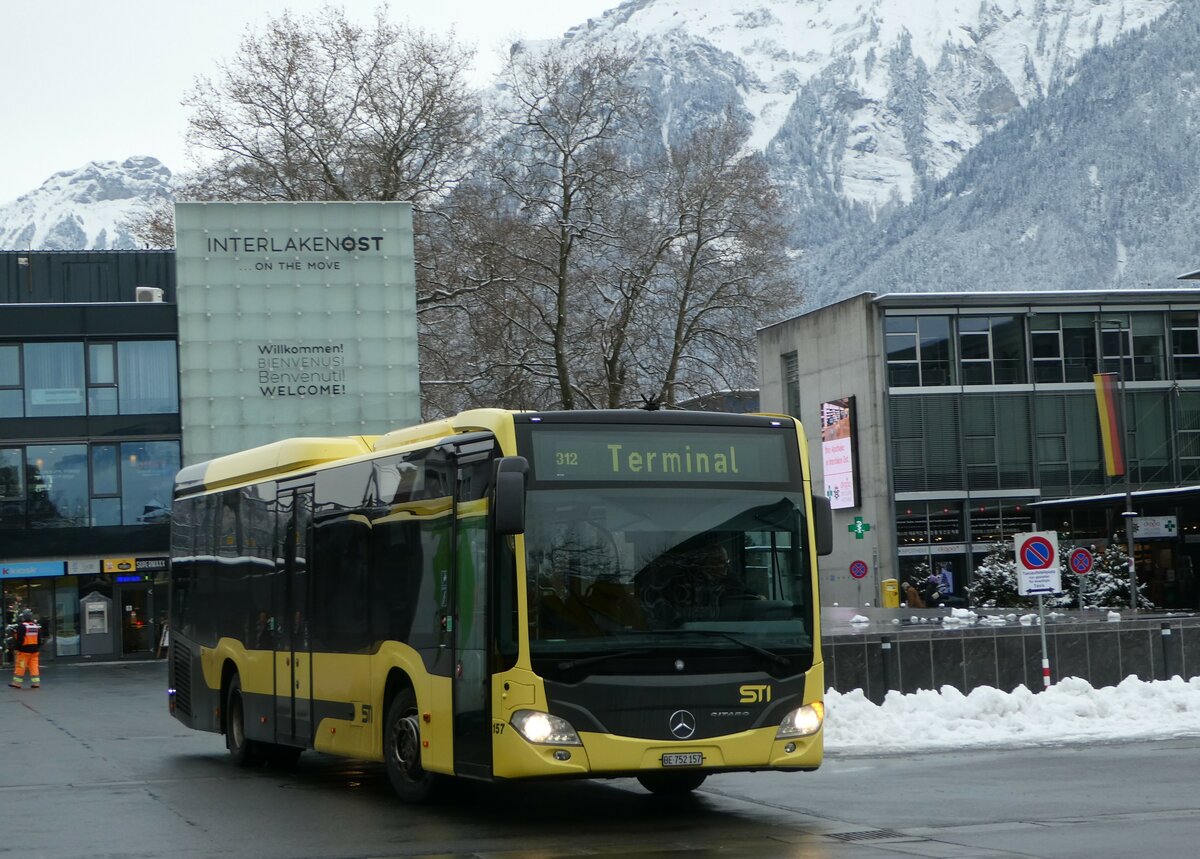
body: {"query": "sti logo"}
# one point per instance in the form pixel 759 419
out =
pixel 755 694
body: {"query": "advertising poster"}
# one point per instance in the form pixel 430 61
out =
pixel 837 453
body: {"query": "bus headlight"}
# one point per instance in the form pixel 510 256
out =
pixel 544 729
pixel 802 722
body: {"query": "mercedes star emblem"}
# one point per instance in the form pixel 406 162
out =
pixel 682 724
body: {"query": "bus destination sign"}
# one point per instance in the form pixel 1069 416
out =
pixel 628 455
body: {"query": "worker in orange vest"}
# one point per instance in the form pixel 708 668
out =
pixel 27 637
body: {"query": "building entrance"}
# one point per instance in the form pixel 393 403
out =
pixel 137 620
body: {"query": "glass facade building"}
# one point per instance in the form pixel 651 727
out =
pixel 978 420
pixel 89 446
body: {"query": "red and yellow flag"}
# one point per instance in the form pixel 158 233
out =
pixel 1111 431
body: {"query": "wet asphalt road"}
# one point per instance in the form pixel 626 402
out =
pixel 92 765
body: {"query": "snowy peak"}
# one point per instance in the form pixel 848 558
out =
pixel 83 209
pixel 874 97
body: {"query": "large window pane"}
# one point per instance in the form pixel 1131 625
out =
pixel 106 511
pixel 1149 350
pixel 57 481
pixel 104 470
pixel 148 378
pixel 12 404
pixel 1008 348
pixel 101 364
pixel 1150 437
pixel 102 401
pixel 53 379
pixel 1079 346
pixel 1185 344
pixel 10 366
pixel 935 350
pixel 147 476
pixel 1083 440
pixel 12 488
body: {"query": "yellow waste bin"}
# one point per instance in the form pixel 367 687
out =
pixel 891 593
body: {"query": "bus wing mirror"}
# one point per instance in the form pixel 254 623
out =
pixel 822 516
pixel 511 472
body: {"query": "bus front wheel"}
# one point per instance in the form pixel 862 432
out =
pixel 671 784
pixel 402 750
pixel 242 752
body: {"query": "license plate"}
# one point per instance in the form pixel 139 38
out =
pixel 683 759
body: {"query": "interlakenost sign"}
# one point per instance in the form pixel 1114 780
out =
pixel 295 319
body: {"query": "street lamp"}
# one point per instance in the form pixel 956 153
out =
pixel 1129 514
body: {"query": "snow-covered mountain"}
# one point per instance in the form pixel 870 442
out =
pixel 919 144
pixel 867 99
pixel 83 209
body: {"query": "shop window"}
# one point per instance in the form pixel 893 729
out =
pixel 995 521
pixel 66 617
pixel 926 523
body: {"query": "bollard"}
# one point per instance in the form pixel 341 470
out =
pixel 885 648
pixel 1168 668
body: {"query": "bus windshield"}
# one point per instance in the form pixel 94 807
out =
pixel 631 569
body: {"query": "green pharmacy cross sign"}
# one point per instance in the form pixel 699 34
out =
pixel 858 528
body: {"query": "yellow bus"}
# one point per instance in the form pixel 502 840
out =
pixel 508 595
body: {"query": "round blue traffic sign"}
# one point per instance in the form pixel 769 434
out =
pixel 1081 561
pixel 1037 553
pixel 858 569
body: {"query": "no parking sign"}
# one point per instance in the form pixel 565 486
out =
pixel 1037 563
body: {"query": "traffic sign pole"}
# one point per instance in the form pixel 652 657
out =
pixel 1045 651
pixel 1037 575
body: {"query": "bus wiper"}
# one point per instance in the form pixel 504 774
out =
pixel 769 655
pixel 591 660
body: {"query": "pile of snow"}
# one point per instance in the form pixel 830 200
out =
pixel 1068 712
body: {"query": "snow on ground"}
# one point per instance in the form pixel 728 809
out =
pixel 1069 711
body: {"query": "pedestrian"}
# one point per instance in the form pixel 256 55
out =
pixel 27 638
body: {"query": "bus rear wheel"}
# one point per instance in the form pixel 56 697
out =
pixel 402 751
pixel 672 784
pixel 243 752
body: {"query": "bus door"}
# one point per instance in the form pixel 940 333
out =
pixel 472 712
pixel 293 662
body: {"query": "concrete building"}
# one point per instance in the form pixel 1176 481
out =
pixel 942 424
pixel 89 445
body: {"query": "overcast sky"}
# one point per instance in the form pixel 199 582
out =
pixel 101 81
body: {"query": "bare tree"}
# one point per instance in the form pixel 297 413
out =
pixel 319 108
pixel 152 224
pixel 728 271
pixel 559 160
